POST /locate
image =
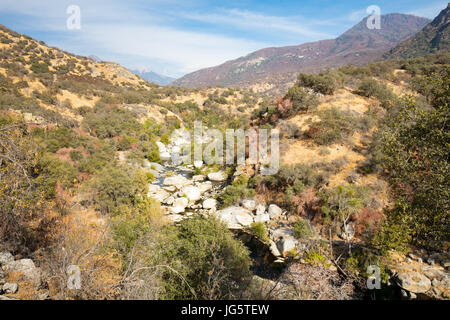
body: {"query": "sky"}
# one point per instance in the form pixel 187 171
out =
pixel 176 37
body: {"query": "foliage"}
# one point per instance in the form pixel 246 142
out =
pixel 321 83
pixel 259 229
pixel 302 229
pixel 415 153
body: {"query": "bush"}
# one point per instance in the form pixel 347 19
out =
pixel 372 88
pixel 53 171
pixel 203 258
pixel 301 101
pixel 259 229
pixel 235 192
pixel 324 84
pixel 302 229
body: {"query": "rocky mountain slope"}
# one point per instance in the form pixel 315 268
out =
pixel 434 37
pixel 272 68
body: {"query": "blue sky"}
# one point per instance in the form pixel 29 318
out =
pixel 174 37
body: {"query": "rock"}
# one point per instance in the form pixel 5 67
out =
pixel 249 204
pixel 286 244
pixel 217 176
pixel 26 267
pixel 161 147
pixel 170 188
pixel 159 195
pixel 283 232
pixel 177 209
pixel 169 201
pixel 198 164
pixel 198 178
pixel 192 193
pixel 6 257
pixel 181 202
pixel 178 181
pixel 165 156
pixel 154 166
pixel 274 211
pixel 10 287
pixel 244 218
pixel 175 218
pixel 274 249
pixel 260 209
pixel 262 218
pixel 235 217
pixel 205 186
pixel 413 282
pixel 210 203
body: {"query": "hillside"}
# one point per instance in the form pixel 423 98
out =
pixel 273 68
pixel 434 37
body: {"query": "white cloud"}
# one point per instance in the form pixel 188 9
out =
pixel 431 11
pixel 259 22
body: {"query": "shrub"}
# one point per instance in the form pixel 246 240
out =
pixel 372 88
pixel 302 229
pixel 203 260
pixel 301 101
pixel 259 229
pixel 320 83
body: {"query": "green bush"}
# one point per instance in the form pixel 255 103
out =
pixel 302 229
pixel 324 84
pixel 205 260
pixel 301 101
pixel 259 229
pixel 51 171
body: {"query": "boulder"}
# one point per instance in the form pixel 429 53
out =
pixel 210 203
pixel 178 181
pixel 260 209
pixel 26 267
pixel 286 244
pixel 160 195
pixel 274 249
pixel 177 209
pixel 10 287
pixel 249 204
pixel 205 186
pixel 165 156
pixel 198 178
pixel 217 176
pixel 161 147
pixel 235 217
pixel 181 202
pixel 413 282
pixel 274 211
pixel 192 193
pixel 6 257
pixel 175 217
pixel 262 218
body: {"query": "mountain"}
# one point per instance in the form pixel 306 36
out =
pixel 274 67
pixel 153 76
pixel 433 37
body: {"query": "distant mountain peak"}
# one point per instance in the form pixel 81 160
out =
pixel 277 66
pixel 147 74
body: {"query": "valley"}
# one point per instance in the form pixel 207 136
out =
pixel 92 178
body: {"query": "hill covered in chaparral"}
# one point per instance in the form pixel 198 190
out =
pixel 270 69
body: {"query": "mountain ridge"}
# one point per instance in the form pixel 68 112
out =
pixel 434 37
pixel 278 66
